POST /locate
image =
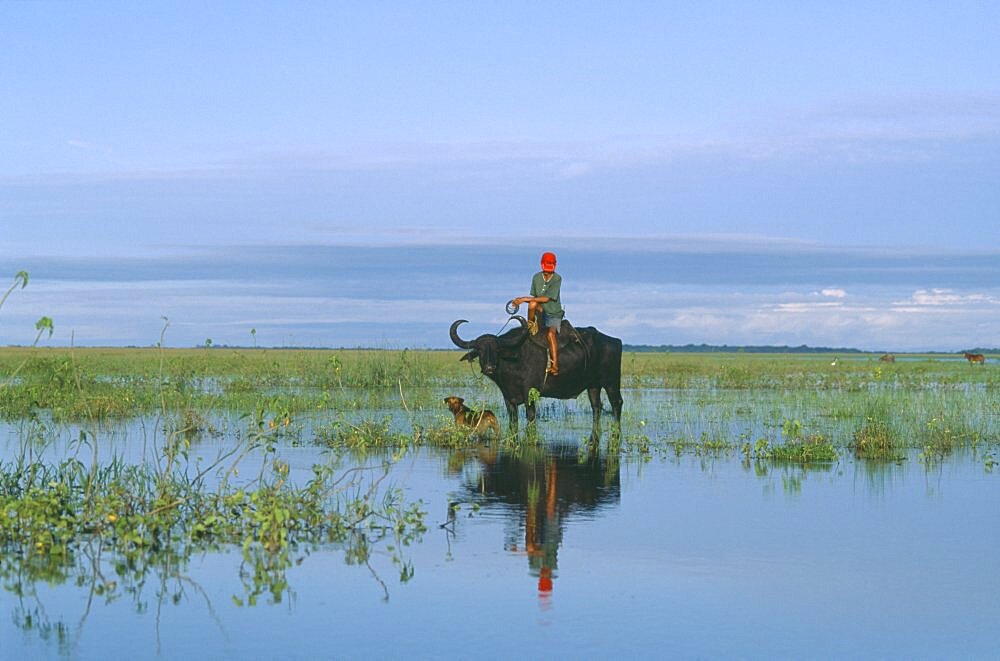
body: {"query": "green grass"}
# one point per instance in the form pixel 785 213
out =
pixel 811 450
pixel 107 384
pixel 860 406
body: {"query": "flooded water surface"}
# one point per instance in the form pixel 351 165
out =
pixel 558 546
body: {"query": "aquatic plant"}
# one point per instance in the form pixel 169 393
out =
pixel 876 439
pixel 379 434
pixel 805 450
pixel 942 434
pixel 140 519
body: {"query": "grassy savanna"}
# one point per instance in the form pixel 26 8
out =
pixel 372 397
pixel 117 383
pixel 805 407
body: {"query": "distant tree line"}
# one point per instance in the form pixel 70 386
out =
pixel 653 348
pixel 725 348
pixel 802 348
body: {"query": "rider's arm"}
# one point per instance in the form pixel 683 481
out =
pixel 531 299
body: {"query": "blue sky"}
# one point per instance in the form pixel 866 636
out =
pixel 856 131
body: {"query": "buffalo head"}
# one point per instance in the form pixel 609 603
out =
pixel 488 347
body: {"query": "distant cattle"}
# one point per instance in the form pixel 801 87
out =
pixel 974 358
pixel 888 358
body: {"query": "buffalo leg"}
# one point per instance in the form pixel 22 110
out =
pixel 529 412
pixel 512 415
pixel 615 397
pixel 595 406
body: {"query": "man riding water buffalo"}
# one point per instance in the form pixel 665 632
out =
pixel 524 366
pixel 544 298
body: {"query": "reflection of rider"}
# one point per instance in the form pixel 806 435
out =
pixel 543 534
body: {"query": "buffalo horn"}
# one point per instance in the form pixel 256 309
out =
pixel 459 342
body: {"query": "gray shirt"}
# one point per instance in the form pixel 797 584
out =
pixel 539 287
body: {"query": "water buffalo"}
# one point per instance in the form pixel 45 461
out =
pixel 588 360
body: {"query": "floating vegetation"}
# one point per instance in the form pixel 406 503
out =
pixel 379 434
pixel 121 521
pixel 807 450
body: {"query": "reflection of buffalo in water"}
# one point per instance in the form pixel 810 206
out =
pixel 541 488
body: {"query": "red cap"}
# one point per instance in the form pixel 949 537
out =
pixel 545 580
pixel 548 262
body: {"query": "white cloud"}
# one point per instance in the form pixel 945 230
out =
pixel 574 170
pixel 806 307
pixel 834 293
pixel 946 297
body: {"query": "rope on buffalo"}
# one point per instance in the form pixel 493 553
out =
pixel 504 325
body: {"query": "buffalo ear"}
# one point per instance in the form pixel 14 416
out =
pixel 472 355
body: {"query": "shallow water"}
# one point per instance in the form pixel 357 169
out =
pixel 552 549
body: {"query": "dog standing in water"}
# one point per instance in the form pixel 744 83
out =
pixel 479 421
